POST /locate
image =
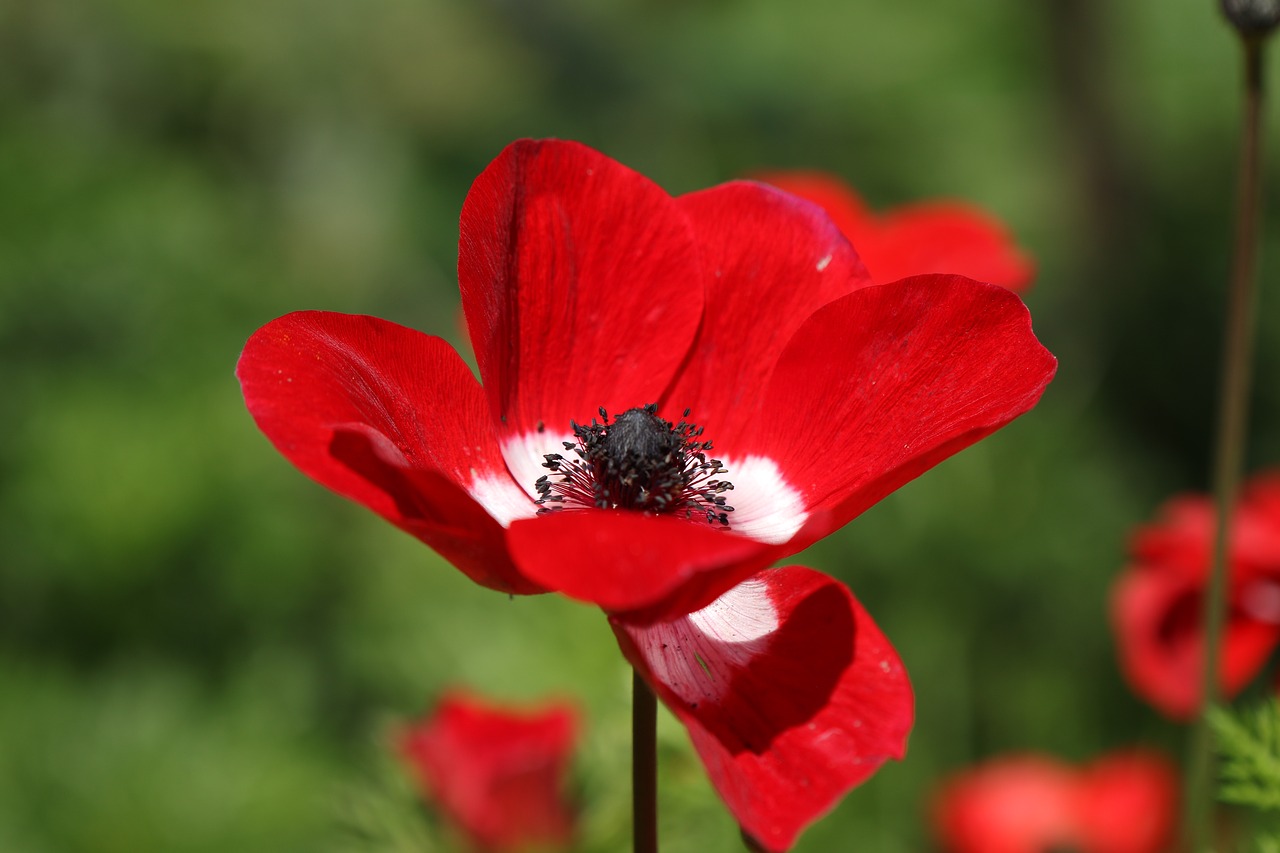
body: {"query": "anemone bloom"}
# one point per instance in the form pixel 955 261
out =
pixel 915 239
pixel 620 331
pixel 495 773
pixel 1122 803
pixel 1157 604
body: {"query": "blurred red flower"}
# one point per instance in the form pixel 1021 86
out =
pixel 915 239
pixel 589 290
pixel 1158 601
pixel 1122 803
pixel 495 773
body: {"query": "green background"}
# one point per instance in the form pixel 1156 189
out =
pixel 201 650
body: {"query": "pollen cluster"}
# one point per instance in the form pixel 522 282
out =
pixel 638 461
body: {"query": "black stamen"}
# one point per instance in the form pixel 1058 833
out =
pixel 640 462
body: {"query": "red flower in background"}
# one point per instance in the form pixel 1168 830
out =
pixel 915 239
pixel 1158 602
pixel 1121 803
pixel 600 309
pixel 495 773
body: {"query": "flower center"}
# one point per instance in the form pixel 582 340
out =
pixel 640 462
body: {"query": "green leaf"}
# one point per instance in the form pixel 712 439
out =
pixel 1249 743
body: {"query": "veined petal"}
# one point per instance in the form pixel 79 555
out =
pixel 581 284
pixel 883 384
pixel 390 418
pixel 435 509
pixel 527 453
pixel 650 566
pixel 771 260
pixel 766 506
pixel 791 694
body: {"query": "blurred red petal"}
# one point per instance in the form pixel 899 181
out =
pixel 1129 803
pixel 1122 803
pixel 1181 538
pixel 845 207
pixel 883 384
pixel 1020 804
pixel 791 694
pixel 497 774
pixel 1158 621
pixel 1157 604
pixel 949 237
pixel 581 283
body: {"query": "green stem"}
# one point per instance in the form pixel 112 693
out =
pixel 644 765
pixel 1228 462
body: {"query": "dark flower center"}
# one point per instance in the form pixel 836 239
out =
pixel 638 461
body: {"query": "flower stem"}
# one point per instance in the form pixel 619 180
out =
pixel 644 765
pixel 1233 410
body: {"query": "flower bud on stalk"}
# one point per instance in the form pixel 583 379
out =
pixel 1252 17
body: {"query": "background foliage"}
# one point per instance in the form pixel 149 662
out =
pixel 200 650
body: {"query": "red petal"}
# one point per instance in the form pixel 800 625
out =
pixel 390 418
pixel 1129 803
pixel 581 285
pixel 497 774
pixel 659 566
pixel 1157 605
pixel 947 237
pixel 772 260
pixel 917 239
pixel 1015 804
pixel 1181 538
pixel 1157 617
pixel 1122 803
pixel 882 384
pixel 436 510
pixel 791 695
pixel 845 207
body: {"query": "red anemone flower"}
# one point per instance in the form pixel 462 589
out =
pixel 1121 803
pixel 1157 605
pixel 495 773
pixel 916 239
pixel 601 309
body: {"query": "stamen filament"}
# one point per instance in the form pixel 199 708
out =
pixel 638 461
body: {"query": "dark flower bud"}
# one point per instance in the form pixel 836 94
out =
pixel 1252 17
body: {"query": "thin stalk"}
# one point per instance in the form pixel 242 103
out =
pixel 644 765
pixel 1228 453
